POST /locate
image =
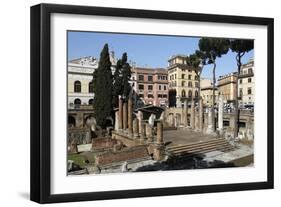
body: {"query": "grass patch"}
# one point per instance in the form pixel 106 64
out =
pixel 78 159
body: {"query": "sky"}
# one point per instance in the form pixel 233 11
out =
pixel 146 50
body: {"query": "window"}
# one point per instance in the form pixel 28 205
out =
pixel 196 77
pixel 240 81
pixel 141 95
pixel 250 71
pixel 189 77
pixel 141 87
pixel 91 101
pixel 190 94
pixel 91 87
pixel 150 96
pixel 77 86
pixel 242 124
pixel 196 84
pixel 150 87
pixel 183 83
pixel 196 93
pixel 141 78
pixel 150 78
pixel 164 95
pixel 249 91
pixel 183 93
pixel 182 76
pixel 225 123
pixel 159 95
pixel 165 88
pixel 249 80
pixel 240 92
pixel 77 101
pixel 189 84
pixel 160 88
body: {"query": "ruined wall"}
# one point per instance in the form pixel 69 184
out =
pixel 125 154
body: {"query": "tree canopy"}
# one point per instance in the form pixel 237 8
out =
pixel 241 47
pixel 102 79
pixel 211 48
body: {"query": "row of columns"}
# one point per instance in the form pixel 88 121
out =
pixel 193 117
pixel 196 119
pixel 135 127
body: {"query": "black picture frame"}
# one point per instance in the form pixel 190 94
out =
pixel 41 96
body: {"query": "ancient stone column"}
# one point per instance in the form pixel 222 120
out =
pixel 159 133
pixel 196 120
pixel 140 117
pixel 116 126
pixel 185 111
pixel 136 128
pixel 73 147
pixel 192 115
pixel 210 128
pixel 79 120
pixel 142 130
pixel 220 114
pixel 178 102
pixel 120 113
pixel 148 132
pixel 130 117
pixel 125 116
pixel 200 114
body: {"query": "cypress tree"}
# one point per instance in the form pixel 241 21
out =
pixel 126 76
pixel 117 83
pixel 102 79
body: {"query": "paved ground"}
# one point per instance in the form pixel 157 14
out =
pixel 176 137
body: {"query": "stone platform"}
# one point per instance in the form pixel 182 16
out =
pixel 181 136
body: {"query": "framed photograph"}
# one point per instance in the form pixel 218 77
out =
pixel 132 103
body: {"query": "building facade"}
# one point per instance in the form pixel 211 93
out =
pixel 79 80
pixel 246 84
pixel 227 87
pixel 206 92
pixel 151 85
pixel 183 80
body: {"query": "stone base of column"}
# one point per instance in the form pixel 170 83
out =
pixel 220 132
pixel 158 152
pixel 210 130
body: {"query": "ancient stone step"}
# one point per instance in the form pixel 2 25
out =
pixel 198 143
pixel 201 147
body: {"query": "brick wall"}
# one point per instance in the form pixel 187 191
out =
pixel 122 156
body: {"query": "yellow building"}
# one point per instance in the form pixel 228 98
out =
pixel 227 86
pixel 183 81
pixel 207 92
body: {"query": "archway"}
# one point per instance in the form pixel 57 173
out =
pixel 91 101
pixel 183 94
pixel 190 93
pixel 71 121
